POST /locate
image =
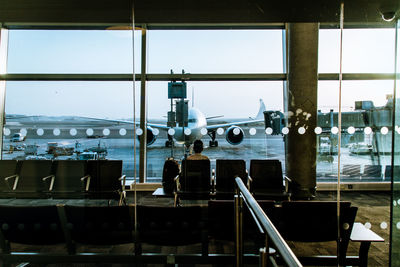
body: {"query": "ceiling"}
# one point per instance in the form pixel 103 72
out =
pixel 189 12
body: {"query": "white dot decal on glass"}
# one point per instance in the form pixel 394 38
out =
pixel 398 201
pixel 398 225
pixel 394 203
pixel 252 131
pixel 383 225
pixel 397 129
pixel 40 131
pixel 220 131
pixel 171 131
pixel 384 130
pixel 236 131
pixel 155 131
pixel 139 131
pixel 285 130
pixel 301 130
pixel 23 131
pixel 6 131
pixel 106 131
pixel 335 130
pixel 187 131
pixel 368 225
pixel 73 132
pixel 367 130
pixel 351 130
pixel 318 130
pixel 346 226
pixel 268 130
pixel 203 131
pixel 89 132
pixel 122 131
pixel 56 131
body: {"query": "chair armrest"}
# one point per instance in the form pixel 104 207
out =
pixel 249 181
pixel 123 179
pixel 51 177
pixel 177 184
pixel 87 177
pixel 16 178
pixel 288 182
pixel 212 181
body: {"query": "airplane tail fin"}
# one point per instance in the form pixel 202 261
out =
pixel 260 114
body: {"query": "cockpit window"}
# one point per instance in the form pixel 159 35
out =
pixel 192 120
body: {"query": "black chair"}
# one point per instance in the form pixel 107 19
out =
pixel 97 225
pixel 106 180
pixel 226 172
pixel 30 180
pixel 267 181
pixel 31 225
pixel 372 172
pixel 170 173
pixel 70 179
pixel 171 226
pixel 8 171
pixel 316 221
pixel 351 170
pixel 194 181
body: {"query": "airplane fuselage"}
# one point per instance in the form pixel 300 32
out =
pixel 197 127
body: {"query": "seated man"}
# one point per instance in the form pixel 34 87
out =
pixel 198 148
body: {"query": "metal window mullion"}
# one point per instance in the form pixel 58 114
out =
pixel 3 70
pixel 143 109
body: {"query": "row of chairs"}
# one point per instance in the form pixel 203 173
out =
pixel 304 221
pixel 196 180
pixel 101 179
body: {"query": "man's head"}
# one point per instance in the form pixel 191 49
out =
pixel 197 146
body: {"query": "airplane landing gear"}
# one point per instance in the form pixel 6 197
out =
pixel 212 143
pixel 169 142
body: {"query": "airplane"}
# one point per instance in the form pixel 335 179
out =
pixel 198 127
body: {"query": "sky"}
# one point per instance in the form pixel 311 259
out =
pixel 195 51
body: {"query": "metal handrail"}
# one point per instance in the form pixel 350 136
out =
pixel 262 220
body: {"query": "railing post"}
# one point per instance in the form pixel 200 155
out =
pixel 238 229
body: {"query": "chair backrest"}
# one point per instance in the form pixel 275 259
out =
pixel 226 172
pixel 170 171
pixel 266 174
pixel 105 175
pixel 8 168
pixel 372 171
pixel 31 174
pixel 195 176
pixel 99 225
pixel 35 225
pixel 316 221
pixel 172 226
pixel 352 170
pixel 68 175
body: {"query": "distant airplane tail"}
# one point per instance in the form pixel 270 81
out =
pixel 260 114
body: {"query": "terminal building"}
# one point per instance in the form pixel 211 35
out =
pixel 101 101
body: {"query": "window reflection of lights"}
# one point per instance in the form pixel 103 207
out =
pixel 335 130
pixel 40 132
pixel 6 131
pixel 351 130
pixel 220 131
pixel 73 132
pixel 89 132
pixel 285 130
pixel 187 131
pixel 122 132
pixel 268 130
pixel 384 130
pixel 203 131
pixel 56 131
pixel 139 131
pixel 155 131
pixel 23 131
pixel 301 130
pixel 252 131
pixel 367 130
pixel 106 131
pixel 318 130
pixel 171 131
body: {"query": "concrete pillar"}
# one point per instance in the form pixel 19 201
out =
pixel 302 107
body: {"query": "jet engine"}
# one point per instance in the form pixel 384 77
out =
pixel 234 135
pixel 151 137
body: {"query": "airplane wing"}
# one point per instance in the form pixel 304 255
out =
pixel 237 123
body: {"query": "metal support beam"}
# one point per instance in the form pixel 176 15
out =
pixel 3 70
pixel 143 110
